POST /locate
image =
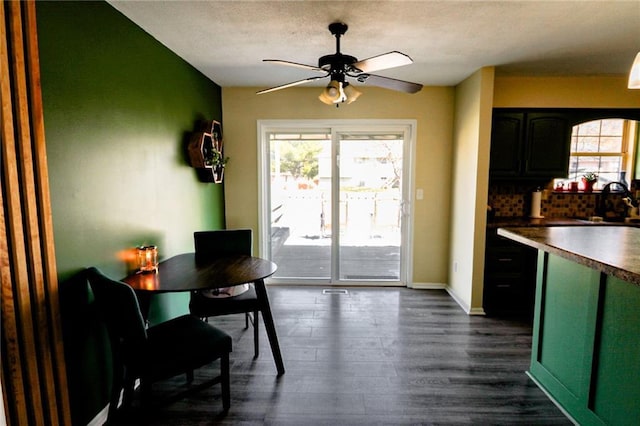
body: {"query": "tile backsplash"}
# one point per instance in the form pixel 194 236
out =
pixel 515 201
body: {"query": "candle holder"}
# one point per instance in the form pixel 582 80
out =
pixel 147 259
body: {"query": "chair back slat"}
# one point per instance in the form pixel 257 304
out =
pixel 213 244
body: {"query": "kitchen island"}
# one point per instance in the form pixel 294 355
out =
pixel 586 334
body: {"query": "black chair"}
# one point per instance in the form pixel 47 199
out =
pixel 214 244
pixel 174 347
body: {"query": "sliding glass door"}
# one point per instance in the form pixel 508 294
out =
pixel 335 201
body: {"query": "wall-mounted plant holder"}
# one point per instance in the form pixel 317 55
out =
pixel 206 153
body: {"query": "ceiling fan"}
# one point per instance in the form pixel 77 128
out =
pixel 339 66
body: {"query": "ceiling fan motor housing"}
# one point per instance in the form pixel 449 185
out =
pixel 337 63
pixel 338 28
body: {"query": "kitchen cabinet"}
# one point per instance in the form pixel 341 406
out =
pixel 530 144
pixel 509 277
pixel 585 350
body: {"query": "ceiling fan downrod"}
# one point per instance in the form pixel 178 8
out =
pixel 338 29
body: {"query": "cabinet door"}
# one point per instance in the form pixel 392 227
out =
pixel 506 144
pixel 548 144
pixel 509 277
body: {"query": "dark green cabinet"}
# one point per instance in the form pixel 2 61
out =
pixel 585 348
pixel 506 144
pixel 509 277
pixel 530 145
pixel 547 145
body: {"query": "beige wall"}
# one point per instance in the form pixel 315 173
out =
pixel 432 108
pixel 453 170
pixel 565 92
pixel 471 141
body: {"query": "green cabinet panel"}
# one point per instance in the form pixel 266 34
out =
pixel 617 392
pixel 570 296
pixel 586 351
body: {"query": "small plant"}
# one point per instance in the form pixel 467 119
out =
pixel 216 159
pixel 590 177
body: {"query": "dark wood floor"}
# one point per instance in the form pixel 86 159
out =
pixel 385 356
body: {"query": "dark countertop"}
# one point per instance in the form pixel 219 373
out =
pixel 519 222
pixel 502 222
pixel 613 250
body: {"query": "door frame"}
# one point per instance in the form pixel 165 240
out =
pixel 264 127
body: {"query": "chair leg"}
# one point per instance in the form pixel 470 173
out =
pixel 256 343
pixel 246 320
pixel 224 382
pixel 145 394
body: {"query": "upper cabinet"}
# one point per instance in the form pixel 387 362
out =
pixel 547 145
pixel 506 144
pixel 533 145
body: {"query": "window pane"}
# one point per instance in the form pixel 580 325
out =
pixel 592 128
pixel 610 144
pixel 587 164
pixel 605 178
pixel 587 144
pixel 612 127
pixel 573 166
pixel 610 164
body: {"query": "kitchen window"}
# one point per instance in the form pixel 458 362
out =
pixel 604 147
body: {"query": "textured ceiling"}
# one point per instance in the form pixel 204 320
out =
pixel 448 40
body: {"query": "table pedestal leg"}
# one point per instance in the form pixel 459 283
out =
pixel 261 293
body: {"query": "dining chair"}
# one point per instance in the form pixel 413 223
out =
pixel 168 349
pixel 214 244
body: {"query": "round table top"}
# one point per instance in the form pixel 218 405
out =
pixel 183 273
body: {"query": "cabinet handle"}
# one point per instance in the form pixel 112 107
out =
pixel 505 259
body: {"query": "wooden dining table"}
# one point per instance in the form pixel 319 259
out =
pixel 182 273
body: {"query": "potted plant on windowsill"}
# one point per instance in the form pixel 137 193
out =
pixel 589 179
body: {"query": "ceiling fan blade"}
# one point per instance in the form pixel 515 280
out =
pixel 383 62
pixel 295 83
pixel 389 83
pixel 294 64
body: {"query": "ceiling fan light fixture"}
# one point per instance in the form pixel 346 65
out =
pixel 634 75
pixel 333 93
pixel 351 93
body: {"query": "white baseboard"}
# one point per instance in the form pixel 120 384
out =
pixel 465 307
pixel 427 286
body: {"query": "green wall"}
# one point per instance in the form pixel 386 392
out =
pixel 118 108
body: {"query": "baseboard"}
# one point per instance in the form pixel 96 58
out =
pixel 477 311
pixel 463 305
pixel 427 286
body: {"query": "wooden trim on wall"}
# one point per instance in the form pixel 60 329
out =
pixel 33 372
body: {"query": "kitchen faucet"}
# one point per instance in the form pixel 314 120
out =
pixel 605 205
